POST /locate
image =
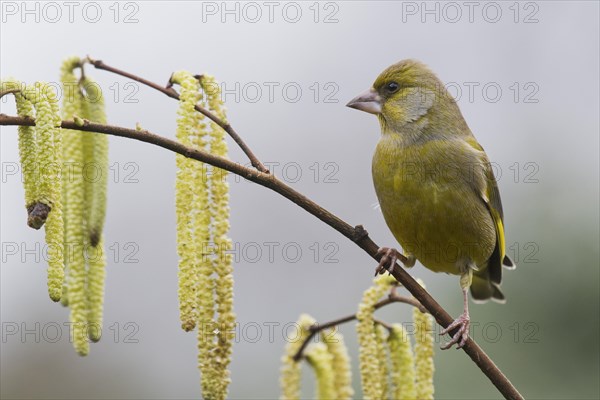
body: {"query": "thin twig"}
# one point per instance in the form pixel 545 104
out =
pixel 387 326
pixel 408 300
pixel 357 234
pixel 316 328
pixel 169 91
pixel 8 91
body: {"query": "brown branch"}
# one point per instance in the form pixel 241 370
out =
pixel 169 91
pixel 357 234
pixel 316 328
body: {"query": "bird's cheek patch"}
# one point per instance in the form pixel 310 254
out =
pixel 416 102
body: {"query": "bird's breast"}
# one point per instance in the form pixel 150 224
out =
pixel 427 196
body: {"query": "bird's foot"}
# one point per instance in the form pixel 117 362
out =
pixel 388 259
pixel 461 335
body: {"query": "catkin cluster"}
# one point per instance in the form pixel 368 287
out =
pixel 389 367
pixel 84 198
pixel 202 207
pixel 328 358
pixel 40 151
pixel 65 178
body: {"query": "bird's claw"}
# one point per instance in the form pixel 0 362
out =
pixel 462 334
pixel 388 259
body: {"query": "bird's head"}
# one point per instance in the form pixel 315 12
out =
pixel 402 94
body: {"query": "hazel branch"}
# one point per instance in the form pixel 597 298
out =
pixel 356 234
pixel 172 93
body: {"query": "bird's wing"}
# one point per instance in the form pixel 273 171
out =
pixel 491 197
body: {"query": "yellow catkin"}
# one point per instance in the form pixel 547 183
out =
pixel 424 346
pixel 370 375
pixel 95 289
pixel 96 159
pixel 223 259
pixel 321 361
pixel 89 163
pixel 64 297
pixel 402 361
pixel 291 371
pixel 71 108
pixel 45 131
pixel 55 223
pixel 341 363
pixel 187 209
pixel 56 263
pixel 382 356
pixel 47 145
pixel 75 259
pixel 27 143
pixel 38 191
pixel 95 153
pixel 74 203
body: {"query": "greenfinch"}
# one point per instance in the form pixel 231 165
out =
pixel 435 186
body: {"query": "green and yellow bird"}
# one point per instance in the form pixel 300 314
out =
pixel 435 185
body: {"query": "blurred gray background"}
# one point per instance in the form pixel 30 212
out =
pixel 526 78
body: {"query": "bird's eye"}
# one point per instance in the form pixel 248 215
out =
pixel 392 87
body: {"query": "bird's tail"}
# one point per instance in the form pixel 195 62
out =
pixel 483 289
pixel 486 282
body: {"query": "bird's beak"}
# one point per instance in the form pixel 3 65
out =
pixel 369 101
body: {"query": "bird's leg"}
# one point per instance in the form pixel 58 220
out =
pixel 388 259
pixel 463 321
